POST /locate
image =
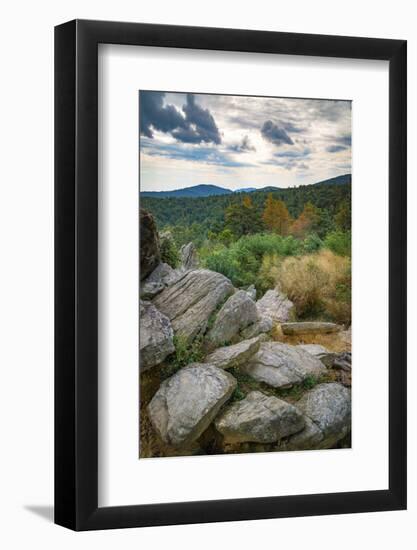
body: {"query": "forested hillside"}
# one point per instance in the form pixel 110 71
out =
pixel 196 218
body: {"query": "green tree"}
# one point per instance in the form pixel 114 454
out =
pixel 242 218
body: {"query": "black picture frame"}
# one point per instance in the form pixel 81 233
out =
pixel 76 272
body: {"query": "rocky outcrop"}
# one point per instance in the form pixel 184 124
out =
pixel 233 356
pixel 189 257
pixel 163 274
pixel 342 360
pixel 309 438
pixel 259 418
pixel 263 326
pixel 325 356
pixel 251 292
pixel 309 327
pixel 281 365
pixel 155 336
pixel 187 403
pixel 150 255
pixel 329 407
pixel 150 290
pixel 236 314
pixel 192 299
pixel 276 306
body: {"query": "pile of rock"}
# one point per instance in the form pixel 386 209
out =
pixel 191 302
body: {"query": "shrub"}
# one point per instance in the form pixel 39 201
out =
pixel 185 354
pixel 339 242
pixel 312 243
pixel 242 260
pixel 169 250
pixel 318 284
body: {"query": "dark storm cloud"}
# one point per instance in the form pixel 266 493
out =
pixel 201 126
pixel 273 133
pixel 345 140
pixel 194 125
pixel 244 146
pixel 153 114
pixel 335 148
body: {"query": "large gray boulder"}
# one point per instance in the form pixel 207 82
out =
pixel 325 356
pixel 259 418
pixel 164 274
pixel 309 327
pixel 233 356
pixel 189 257
pixel 236 314
pixel 341 360
pixel 187 403
pixel 311 437
pixel 275 305
pixel 329 407
pixel 155 336
pixel 281 365
pixel 190 301
pixel 150 254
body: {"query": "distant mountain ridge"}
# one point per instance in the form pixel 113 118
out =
pixel 207 190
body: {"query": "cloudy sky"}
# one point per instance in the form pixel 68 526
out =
pixel 235 141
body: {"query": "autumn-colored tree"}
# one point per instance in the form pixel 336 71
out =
pixel 247 202
pixel 276 216
pixel 307 221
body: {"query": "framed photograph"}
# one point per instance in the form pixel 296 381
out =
pixel 230 252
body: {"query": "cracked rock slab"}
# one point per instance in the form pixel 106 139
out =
pixel 190 301
pixel 259 418
pixel 236 314
pixel 329 407
pixel 155 336
pixel 282 365
pixel 233 356
pixel 309 327
pixel 186 404
pixel 276 306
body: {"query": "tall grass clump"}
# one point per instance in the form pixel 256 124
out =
pixel 318 284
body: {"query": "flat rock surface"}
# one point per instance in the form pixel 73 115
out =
pixel 263 326
pixel 236 314
pixel 309 327
pixel 192 299
pixel 155 336
pixel 329 407
pixel 308 438
pixel 259 418
pixel 233 356
pixel 275 305
pixel 185 404
pixel 325 356
pixel 282 365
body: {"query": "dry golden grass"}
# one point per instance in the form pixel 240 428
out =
pixel 318 284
